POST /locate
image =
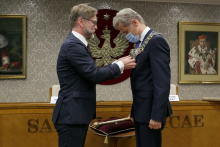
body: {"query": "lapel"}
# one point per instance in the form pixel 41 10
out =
pixel 79 41
pixel 148 33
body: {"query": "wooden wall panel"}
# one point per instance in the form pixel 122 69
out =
pixel 201 129
pixel 193 124
pixel 27 130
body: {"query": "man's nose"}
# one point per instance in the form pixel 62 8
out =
pixel 96 27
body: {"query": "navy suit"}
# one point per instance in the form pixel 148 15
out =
pixel 78 76
pixel 150 83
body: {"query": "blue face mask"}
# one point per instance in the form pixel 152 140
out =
pixel 130 37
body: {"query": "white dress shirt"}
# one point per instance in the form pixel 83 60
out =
pixel 143 34
pixel 83 39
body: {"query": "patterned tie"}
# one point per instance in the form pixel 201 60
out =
pixel 137 44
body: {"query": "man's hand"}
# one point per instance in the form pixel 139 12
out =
pixel 197 64
pixel 123 57
pixel 131 118
pixel 128 62
pixel 153 124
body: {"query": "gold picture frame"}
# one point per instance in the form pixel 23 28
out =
pixel 12 46
pixel 199 53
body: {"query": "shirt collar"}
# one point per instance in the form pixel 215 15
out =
pixel 80 37
pixel 144 33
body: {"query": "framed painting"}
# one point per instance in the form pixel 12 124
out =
pixel 12 46
pixel 199 46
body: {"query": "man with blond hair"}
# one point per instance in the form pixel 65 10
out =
pixel 150 80
pixel 78 76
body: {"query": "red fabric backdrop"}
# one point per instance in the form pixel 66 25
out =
pixel 102 23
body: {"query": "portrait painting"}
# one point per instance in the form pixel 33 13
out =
pixel 198 52
pixel 201 52
pixel 12 46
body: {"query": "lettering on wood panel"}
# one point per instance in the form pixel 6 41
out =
pixel 33 126
pixel 173 122
pixel 186 123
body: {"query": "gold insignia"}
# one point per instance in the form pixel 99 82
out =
pixel 106 52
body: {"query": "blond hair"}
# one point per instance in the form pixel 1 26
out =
pixel 81 11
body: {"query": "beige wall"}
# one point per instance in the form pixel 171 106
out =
pixel 47 28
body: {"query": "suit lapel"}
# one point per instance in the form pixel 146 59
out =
pixel 148 33
pixel 79 41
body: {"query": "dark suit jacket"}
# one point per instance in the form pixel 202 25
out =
pixel 78 76
pixel 150 82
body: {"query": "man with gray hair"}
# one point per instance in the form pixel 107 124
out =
pixel 150 80
pixel 78 76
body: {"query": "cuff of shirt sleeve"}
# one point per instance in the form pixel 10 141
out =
pixel 120 65
pixel 115 62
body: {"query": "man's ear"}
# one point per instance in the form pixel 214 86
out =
pixel 134 22
pixel 80 22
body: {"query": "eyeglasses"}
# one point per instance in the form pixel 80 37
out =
pixel 93 21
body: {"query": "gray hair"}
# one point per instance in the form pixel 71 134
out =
pixel 125 16
pixel 81 11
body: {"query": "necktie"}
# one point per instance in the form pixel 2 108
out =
pixel 88 47
pixel 137 44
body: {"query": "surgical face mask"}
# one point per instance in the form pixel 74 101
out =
pixel 130 37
